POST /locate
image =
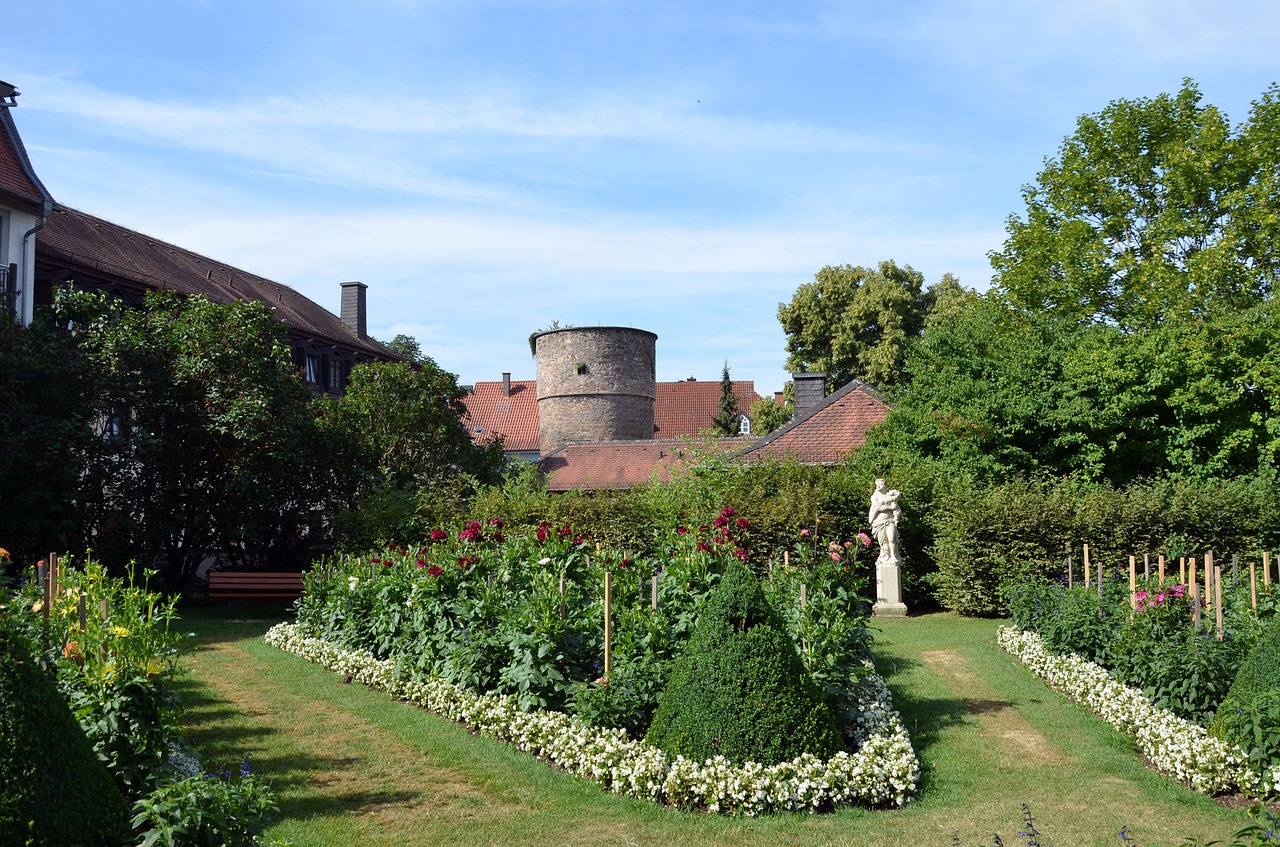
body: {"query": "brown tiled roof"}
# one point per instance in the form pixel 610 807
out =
pixel 687 407
pixel 76 240
pixel 680 409
pixel 514 417
pixel 827 433
pixel 18 179
pixel 622 464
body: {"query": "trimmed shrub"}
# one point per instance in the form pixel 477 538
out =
pixel 53 789
pixel 740 690
pixel 1249 715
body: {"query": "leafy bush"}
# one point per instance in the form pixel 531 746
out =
pixel 739 690
pixel 1249 716
pixel 201 810
pixel 53 789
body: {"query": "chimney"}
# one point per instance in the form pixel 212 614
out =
pixel 506 384
pixel 810 391
pixel 353 297
pixel 779 398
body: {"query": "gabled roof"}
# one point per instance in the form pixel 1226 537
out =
pixel 687 407
pixel 513 416
pixel 827 432
pixel 680 409
pixel 18 180
pixel 622 464
pixel 75 240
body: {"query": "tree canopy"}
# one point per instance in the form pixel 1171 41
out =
pixel 855 322
pixel 1152 208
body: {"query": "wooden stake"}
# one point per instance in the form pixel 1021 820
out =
pixel 804 595
pixel 104 606
pixel 1253 583
pixel 1195 602
pixel 561 596
pixel 84 611
pixel 1217 597
pixel 608 628
pixel 1182 570
pixel 1133 583
pixel 653 596
pixel 1162 568
pixel 43 574
pixel 786 558
pixel 1266 567
pixel 1146 566
pixel 1071 574
pixel 1208 579
pixel 1086 566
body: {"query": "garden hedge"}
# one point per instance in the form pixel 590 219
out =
pixel 53 789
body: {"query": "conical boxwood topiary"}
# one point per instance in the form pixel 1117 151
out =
pixel 1249 716
pixel 53 789
pixel 739 690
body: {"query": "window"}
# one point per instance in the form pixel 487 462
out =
pixel 336 368
pixel 744 425
pixel 312 364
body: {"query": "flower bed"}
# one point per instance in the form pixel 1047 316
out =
pixel 883 772
pixel 1176 747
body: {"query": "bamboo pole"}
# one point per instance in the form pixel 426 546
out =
pixel 608 628
pixel 1217 597
pixel 1086 566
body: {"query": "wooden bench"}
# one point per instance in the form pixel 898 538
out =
pixel 229 585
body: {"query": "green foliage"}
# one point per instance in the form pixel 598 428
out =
pixel 855 322
pixel 739 690
pixel 1249 715
pixel 203 810
pixel 1153 207
pixel 767 415
pixel 406 346
pixel 53 789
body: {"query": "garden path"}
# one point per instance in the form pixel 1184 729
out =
pixel 354 767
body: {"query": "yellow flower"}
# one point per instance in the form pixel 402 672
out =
pixel 4 554
pixel 119 632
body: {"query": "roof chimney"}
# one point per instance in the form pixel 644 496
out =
pixel 353 297
pixel 810 391
pixel 506 384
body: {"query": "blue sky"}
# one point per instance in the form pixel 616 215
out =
pixel 490 167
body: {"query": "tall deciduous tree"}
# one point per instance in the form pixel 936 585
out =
pixel 1152 208
pixel 855 322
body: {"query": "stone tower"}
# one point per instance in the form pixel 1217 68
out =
pixel 594 384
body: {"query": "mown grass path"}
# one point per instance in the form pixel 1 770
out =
pixel 354 767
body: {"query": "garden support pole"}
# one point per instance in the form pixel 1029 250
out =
pixel 653 596
pixel 608 614
pixel 1266 568
pixel 84 611
pixel 1161 563
pixel 1195 593
pixel 1253 584
pixel 1146 566
pixel 1086 566
pixel 1211 577
pixel 1217 597
pixel 1133 583
pixel 1182 570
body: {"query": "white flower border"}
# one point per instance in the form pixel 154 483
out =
pixel 884 771
pixel 1176 747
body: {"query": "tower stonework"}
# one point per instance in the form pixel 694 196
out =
pixel 595 384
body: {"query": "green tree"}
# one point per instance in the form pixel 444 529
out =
pixel 207 443
pixel 406 346
pixel 725 421
pixel 1152 208
pixel 768 415
pixel 855 322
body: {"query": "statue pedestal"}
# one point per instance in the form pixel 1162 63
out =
pixel 888 592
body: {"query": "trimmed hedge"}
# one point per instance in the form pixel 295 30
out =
pixel 739 690
pixel 53 789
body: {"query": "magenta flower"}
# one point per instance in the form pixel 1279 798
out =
pixel 438 535
pixel 865 539
pixel 743 523
pixel 435 570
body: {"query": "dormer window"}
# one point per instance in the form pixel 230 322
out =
pixel 312 364
pixel 744 425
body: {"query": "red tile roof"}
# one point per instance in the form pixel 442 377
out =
pixel 76 240
pixel 687 407
pixel 514 417
pixel 18 179
pixel 680 409
pixel 622 464
pixel 827 433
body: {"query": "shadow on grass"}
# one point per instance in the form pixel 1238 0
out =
pixel 213 625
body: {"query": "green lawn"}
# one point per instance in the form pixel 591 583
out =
pixel 354 767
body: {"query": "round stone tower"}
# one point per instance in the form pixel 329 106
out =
pixel 595 383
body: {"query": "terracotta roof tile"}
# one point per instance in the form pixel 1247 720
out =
pixel 17 178
pixel 514 417
pixel 74 239
pixel 687 407
pixel 622 464
pixel 829 431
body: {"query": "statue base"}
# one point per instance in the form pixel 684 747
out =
pixel 885 609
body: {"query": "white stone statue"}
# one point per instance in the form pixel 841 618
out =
pixel 883 517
